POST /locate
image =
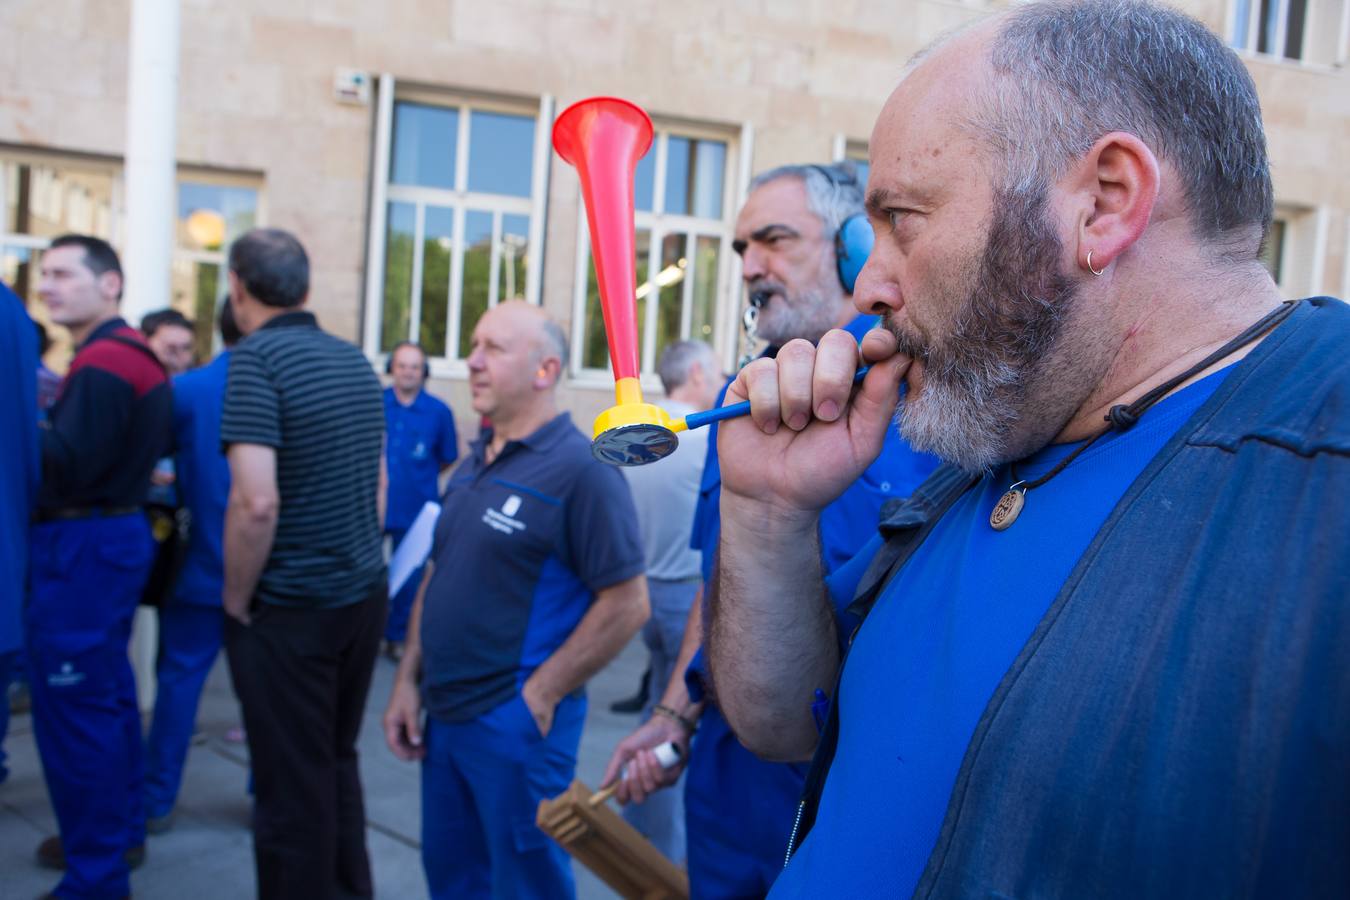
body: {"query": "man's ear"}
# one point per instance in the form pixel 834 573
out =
pixel 548 373
pixel 110 285
pixel 1115 187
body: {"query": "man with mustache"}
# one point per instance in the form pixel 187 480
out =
pixel 799 253
pixel 1103 648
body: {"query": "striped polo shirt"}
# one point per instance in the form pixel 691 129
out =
pixel 315 399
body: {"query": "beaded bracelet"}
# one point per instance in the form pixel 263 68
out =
pixel 689 725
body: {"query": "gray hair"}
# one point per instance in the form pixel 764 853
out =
pixel 833 192
pixel 678 359
pixel 1070 71
pixel 552 341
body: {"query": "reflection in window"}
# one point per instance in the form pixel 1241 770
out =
pixel 477 273
pixel 468 220
pixel 437 241
pixel 398 275
pixel 500 151
pixel 424 145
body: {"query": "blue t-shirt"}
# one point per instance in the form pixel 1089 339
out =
pixel 419 441
pixel 19 468
pixel 936 645
pixel 520 549
pixel 203 479
pixel 845 525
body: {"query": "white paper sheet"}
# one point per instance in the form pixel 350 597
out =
pixel 415 548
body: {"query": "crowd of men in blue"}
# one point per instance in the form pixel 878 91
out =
pixel 1053 602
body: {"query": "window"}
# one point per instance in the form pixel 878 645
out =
pixel 1295 249
pixel 856 153
pixel 42 197
pixel 1309 30
pixel 211 214
pixel 683 205
pixel 45 196
pixel 457 230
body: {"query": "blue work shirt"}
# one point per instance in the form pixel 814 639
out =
pixel 419 441
pixel 845 525
pixel 19 461
pixel 938 641
pixel 203 479
pixel 521 546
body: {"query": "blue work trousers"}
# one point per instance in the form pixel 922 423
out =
pixel 400 605
pixel 660 818
pixel 481 785
pixel 7 660
pixel 738 813
pixel 189 639
pixel 87 576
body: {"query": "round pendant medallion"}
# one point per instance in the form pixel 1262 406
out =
pixel 1007 509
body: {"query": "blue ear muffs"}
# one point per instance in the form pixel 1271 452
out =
pixel 852 244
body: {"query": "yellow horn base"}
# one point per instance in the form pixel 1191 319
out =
pixel 630 410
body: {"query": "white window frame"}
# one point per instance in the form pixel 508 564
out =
pixel 461 201
pixel 1303 253
pixel 1251 32
pixel 661 225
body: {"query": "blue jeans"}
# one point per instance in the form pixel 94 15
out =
pixel 481 785
pixel 189 639
pixel 660 818
pixel 87 576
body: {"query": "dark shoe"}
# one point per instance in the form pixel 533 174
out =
pixel 51 855
pixel 635 703
pixel 159 824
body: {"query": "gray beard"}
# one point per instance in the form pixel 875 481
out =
pixel 1012 367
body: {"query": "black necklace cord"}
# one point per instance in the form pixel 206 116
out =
pixel 1122 417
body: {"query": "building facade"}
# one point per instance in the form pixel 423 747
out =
pixel 407 144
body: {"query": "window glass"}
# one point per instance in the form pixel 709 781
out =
pixel 643 180
pixel 710 162
pixel 398 273
pixel 501 150
pixel 704 313
pixel 677 175
pixel 670 283
pixel 48 199
pixel 477 273
pixel 515 247
pixel 1272 251
pixel 210 216
pixel 437 242
pixel 424 146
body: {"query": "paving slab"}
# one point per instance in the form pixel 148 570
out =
pixel 207 855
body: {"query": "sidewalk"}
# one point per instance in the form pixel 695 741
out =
pixel 208 854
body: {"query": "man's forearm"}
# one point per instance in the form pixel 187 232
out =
pixel 772 639
pixel 248 543
pixel 610 623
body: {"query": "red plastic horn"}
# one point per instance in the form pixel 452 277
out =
pixel 604 137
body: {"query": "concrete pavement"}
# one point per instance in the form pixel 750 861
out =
pixel 208 853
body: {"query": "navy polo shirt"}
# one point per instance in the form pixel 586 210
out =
pixel 203 479
pixel 521 547
pixel 419 441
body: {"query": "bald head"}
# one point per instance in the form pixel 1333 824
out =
pixel 517 357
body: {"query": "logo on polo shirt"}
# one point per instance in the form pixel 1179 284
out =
pixel 502 519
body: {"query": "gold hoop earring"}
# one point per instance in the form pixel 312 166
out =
pixel 1092 270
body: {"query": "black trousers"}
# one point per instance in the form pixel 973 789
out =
pixel 302 676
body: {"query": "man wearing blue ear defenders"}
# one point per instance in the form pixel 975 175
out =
pixel 803 239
